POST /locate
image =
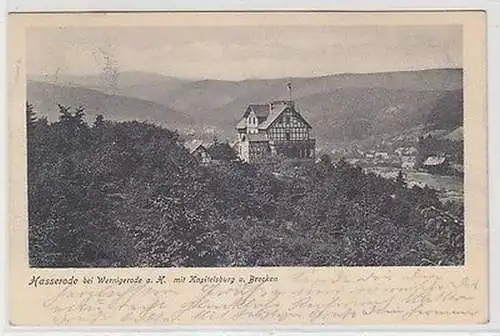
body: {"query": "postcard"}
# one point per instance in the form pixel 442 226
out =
pixel 248 168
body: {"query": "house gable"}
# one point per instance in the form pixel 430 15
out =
pixel 286 117
pixel 260 111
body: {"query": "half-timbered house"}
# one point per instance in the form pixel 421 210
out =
pixel 274 128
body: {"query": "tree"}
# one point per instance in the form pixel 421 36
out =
pixel 222 151
pixel 401 179
pixel 128 194
pixel 71 129
pixel 215 140
pixel 31 117
pixel 325 159
pixel 99 120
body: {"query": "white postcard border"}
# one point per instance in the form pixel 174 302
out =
pixel 494 119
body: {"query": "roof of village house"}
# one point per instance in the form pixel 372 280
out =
pixel 456 135
pixel 195 144
pixel 436 133
pixel 434 160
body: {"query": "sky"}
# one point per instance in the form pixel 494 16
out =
pixel 242 52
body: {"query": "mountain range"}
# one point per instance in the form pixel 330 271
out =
pixel 342 107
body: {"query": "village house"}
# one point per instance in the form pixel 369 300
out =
pixel 199 150
pixel 436 164
pixel 274 128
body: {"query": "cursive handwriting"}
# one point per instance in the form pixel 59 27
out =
pixel 305 297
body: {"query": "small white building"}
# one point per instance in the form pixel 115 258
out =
pixel 436 164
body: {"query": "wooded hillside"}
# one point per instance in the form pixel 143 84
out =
pixel 128 194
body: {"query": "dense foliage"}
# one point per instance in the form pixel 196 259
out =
pixel 221 151
pixel 448 112
pixel 429 145
pixel 129 194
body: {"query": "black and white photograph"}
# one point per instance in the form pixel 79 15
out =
pixel 245 146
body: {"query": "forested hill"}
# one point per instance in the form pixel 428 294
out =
pixel 46 97
pixel 128 194
pixel 448 112
pixel 340 107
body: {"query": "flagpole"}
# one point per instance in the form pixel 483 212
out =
pixel 290 90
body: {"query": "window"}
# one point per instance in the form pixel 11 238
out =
pixel 287 135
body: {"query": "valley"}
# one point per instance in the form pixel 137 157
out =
pixel 353 116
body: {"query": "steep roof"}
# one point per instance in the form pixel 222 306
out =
pixel 242 124
pixel 436 133
pixel 268 113
pixel 456 135
pixel 276 111
pixel 260 110
pixel 195 144
pixel 273 115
